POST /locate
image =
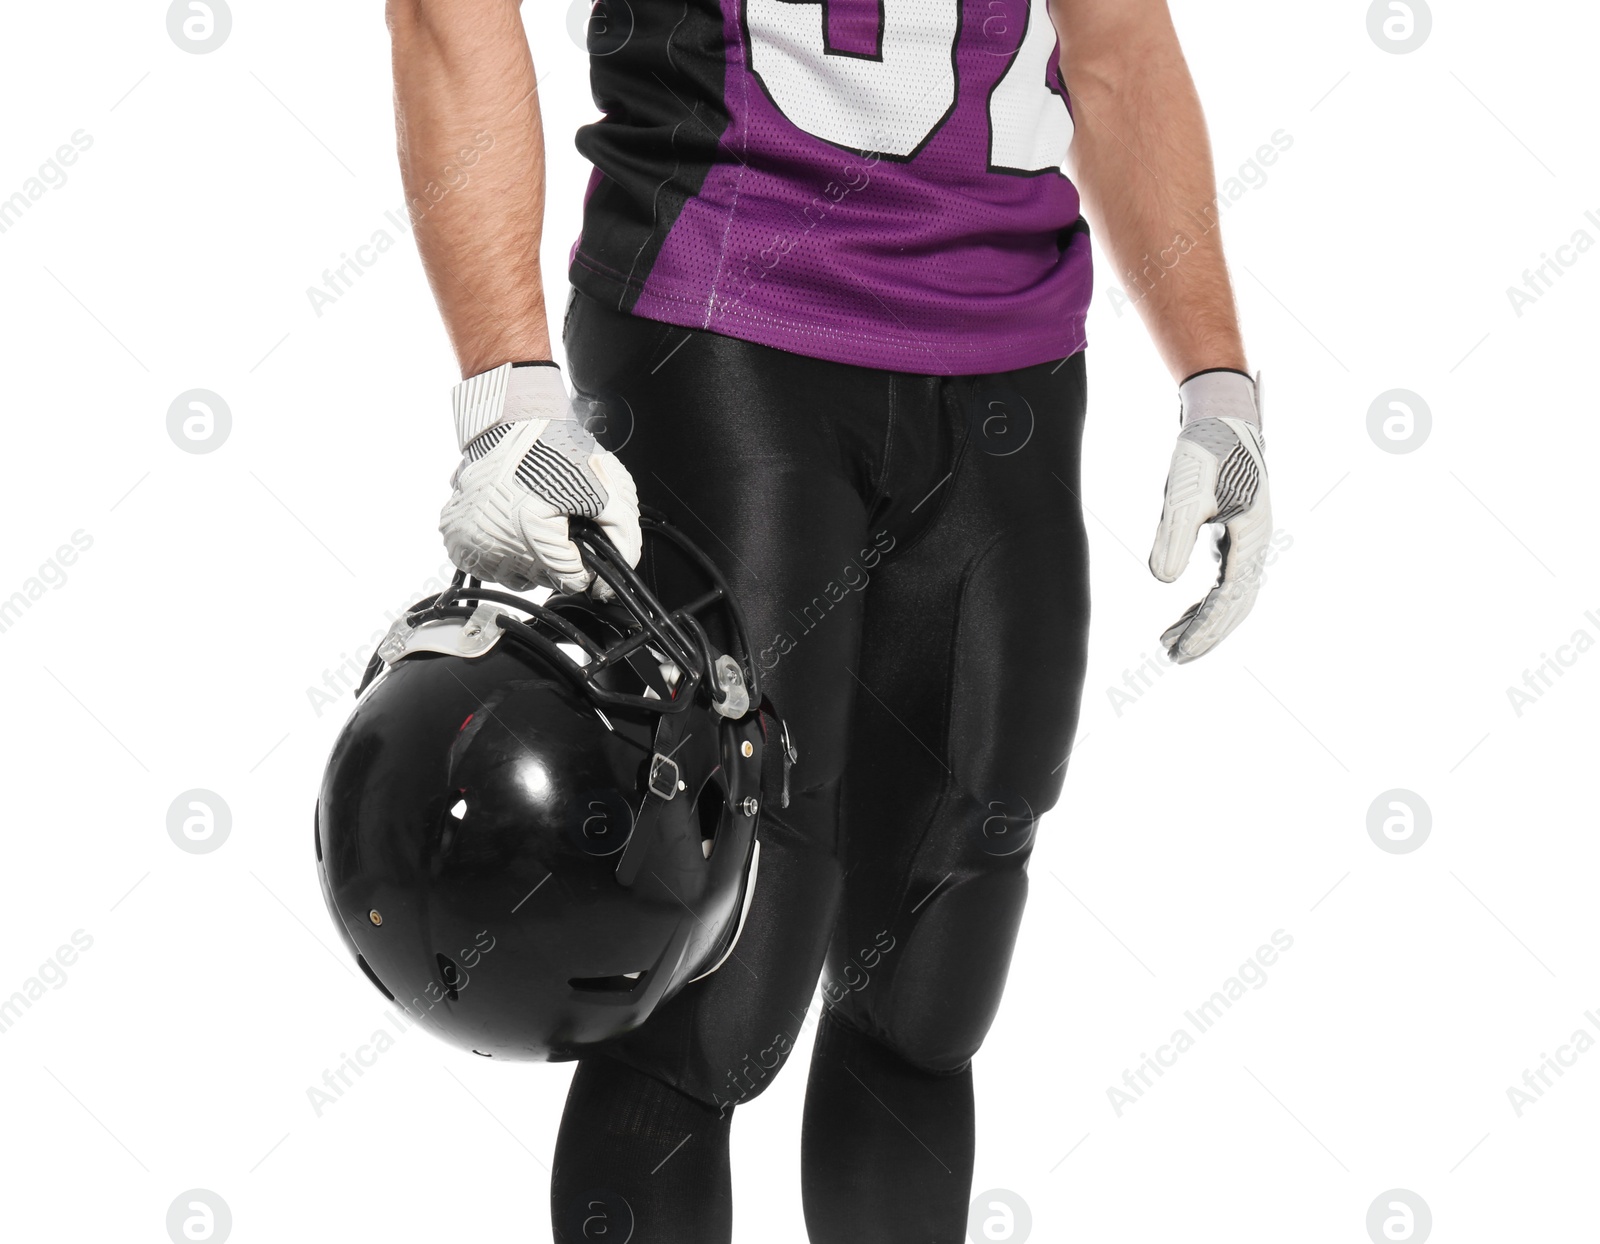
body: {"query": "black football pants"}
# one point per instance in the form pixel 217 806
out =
pixel 910 555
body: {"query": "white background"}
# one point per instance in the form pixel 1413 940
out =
pixel 1229 801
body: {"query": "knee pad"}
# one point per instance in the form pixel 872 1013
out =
pixel 929 991
pixel 724 1039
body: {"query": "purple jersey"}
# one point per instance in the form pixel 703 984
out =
pixel 875 182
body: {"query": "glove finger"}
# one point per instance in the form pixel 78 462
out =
pixel 515 573
pixel 1171 638
pixel 1248 536
pixel 1228 603
pixel 620 519
pixel 481 537
pixel 1190 503
pixel 570 584
pixel 553 551
pixel 1207 624
pixel 469 557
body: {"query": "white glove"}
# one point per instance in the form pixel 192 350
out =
pixel 1218 475
pixel 527 463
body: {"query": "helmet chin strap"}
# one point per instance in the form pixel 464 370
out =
pixel 665 785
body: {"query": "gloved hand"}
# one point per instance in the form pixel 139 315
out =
pixel 1218 475
pixel 527 463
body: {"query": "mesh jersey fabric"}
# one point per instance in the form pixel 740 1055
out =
pixel 874 182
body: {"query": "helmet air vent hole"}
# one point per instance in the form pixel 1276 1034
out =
pixel 626 982
pixel 452 977
pixel 458 809
pixel 709 807
pixel 373 977
pixel 316 829
pixel 481 1054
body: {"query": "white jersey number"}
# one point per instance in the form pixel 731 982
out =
pixel 892 103
pixel 1030 128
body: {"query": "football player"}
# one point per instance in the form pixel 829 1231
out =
pixel 827 312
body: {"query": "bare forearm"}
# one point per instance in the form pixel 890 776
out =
pixel 1142 161
pixel 472 160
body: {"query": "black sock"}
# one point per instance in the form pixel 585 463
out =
pixel 637 1158
pixel 886 1154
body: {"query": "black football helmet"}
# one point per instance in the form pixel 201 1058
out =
pixel 539 823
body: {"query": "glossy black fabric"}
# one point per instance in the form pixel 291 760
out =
pixel 887 1149
pixel 638 1160
pixel 911 557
